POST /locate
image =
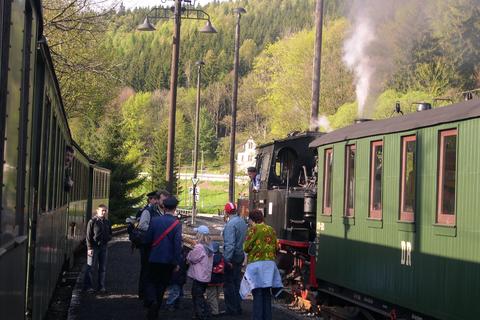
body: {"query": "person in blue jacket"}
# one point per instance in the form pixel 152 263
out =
pixel 164 236
pixel 233 238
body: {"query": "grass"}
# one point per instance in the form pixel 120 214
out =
pixel 213 195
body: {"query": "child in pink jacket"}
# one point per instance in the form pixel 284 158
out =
pixel 200 270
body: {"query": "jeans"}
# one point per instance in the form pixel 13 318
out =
pixel 158 279
pixel 213 293
pixel 99 258
pixel 142 281
pixel 200 306
pixel 231 288
pixel 262 304
pixel 175 292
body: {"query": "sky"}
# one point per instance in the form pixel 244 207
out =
pixel 129 4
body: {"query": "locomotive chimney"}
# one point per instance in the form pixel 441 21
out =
pixel 422 106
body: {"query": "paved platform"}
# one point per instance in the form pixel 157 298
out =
pixel 121 301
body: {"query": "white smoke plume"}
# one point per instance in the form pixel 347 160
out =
pixel 357 59
pixel 323 123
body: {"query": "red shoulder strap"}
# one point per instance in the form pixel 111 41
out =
pixel 165 233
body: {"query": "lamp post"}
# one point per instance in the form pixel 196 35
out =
pixel 179 13
pixel 231 180
pixel 199 65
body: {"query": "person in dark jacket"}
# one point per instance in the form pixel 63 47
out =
pixel 165 238
pixel 148 213
pixel 99 233
pixel 216 283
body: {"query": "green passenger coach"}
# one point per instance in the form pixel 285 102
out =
pixel 398 213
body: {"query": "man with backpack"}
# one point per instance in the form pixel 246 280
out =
pixel 164 237
pixel 146 215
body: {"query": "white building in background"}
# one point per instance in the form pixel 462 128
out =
pixel 246 158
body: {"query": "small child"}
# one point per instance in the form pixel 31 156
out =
pixel 201 263
pixel 175 289
pixel 216 282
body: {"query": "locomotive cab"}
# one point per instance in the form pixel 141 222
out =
pixel 287 193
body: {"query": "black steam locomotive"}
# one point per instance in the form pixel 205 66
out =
pixel 287 196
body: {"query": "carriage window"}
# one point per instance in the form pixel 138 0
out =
pixel 52 162
pixel 327 182
pixel 376 171
pixel 407 204
pixel 350 180
pixel 447 177
pixel 284 164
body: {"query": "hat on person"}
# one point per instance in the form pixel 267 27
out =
pixel 230 207
pixel 152 194
pixel 202 229
pixel 170 203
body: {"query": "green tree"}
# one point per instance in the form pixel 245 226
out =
pixel 125 172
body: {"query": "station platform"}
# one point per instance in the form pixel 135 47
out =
pixel 121 301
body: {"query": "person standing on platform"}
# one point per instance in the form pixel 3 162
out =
pixel 162 195
pixel 99 233
pixel 216 282
pixel 200 260
pixel 233 238
pixel 149 212
pixel 262 273
pixel 165 239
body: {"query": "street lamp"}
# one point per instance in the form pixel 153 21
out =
pixel 199 65
pixel 231 180
pixel 179 13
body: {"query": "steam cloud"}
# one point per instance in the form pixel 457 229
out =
pixel 376 29
pixel 358 60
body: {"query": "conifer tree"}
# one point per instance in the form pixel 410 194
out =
pixel 124 176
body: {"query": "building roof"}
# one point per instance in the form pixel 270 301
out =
pixel 455 112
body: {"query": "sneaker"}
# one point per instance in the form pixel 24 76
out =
pixel 102 291
pixel 89 291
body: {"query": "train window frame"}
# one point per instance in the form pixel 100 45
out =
pixel 407 216
pixel 375 214
pixel 441 217
pixel 349 212
pixel 279 161
pixel 327 179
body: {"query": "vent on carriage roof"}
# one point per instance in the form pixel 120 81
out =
pixel 360 120
pixel 422 106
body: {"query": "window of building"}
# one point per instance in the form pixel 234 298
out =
pixel 407 197
pixel 447 177
pixel 350 181
pixel 327 182
pixel 376 172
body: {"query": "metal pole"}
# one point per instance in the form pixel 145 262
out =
pixel 199 65
pixel 317 61
pixel 173 96
pixel 231 179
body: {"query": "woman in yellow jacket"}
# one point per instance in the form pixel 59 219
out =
pixel 262 273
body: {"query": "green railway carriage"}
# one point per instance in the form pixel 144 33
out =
pixel 398 213
pixel 42 214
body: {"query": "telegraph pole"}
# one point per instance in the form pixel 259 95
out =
pixel 231 180
pixel 317 62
